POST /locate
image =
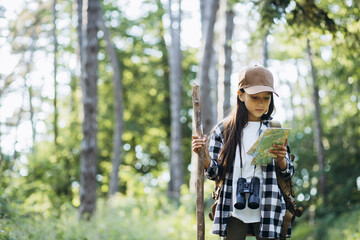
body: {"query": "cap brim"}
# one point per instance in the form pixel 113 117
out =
pixel 259 89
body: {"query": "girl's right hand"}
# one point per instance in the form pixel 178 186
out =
pixel 198 143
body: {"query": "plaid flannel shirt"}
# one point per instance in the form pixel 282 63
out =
pixel 272 205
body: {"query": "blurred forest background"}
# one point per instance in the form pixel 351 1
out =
pixel 96 110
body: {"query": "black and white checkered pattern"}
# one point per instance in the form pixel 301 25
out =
pixel 273 206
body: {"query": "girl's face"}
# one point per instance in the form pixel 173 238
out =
pixel 256 104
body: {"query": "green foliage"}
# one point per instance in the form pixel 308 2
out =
pixel 303 231
pixel 54 174
pixel 44 187
pixel 5 209
pixel 353 232
pixel 144 61
pixel 345 226
pixel 271 12
pixel 150 216
pixel 326 25
pixel 333 30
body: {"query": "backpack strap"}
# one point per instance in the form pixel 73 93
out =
pixel 215 196
pixel 288 218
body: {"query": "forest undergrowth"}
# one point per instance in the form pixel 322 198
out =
pixel 152 216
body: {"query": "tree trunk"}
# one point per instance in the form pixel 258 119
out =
pixel 74 81
pixel 265 50
pixel 229 30
pixel 89 87
pixel 15 153
pixel 33 129
pixel 225 64
pixel 208 18
pixel 203 74
pixel 318 130
pixel 176 164
pixel 29 88
pixel 213 79
pixel 79 27
pixel 114 178
pixel 55 75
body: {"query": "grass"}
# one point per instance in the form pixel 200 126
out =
pixel 149 217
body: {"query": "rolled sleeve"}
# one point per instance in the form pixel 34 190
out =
pixel 213 171
pixel 290 170
pixel 215 145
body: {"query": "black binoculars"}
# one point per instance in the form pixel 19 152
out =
pixel 251 187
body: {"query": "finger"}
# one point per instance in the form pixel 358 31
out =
pixel 279 147
pixel 197 147
pixel 279 157
pixel 198 142
pixel 278 150
pixel 198 137
pixel 279 153
pixel 195 136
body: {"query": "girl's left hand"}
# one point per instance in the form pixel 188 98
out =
pixel 280 151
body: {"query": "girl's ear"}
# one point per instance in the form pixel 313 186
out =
pixel 241 96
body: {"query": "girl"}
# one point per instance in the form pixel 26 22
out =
pixel 228 164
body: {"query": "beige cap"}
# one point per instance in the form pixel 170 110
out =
pixel 256 79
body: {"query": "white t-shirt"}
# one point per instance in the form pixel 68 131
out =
pixel 250 134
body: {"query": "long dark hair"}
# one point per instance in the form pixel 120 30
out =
pixel 233 128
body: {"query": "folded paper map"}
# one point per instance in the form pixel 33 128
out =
pixel 260 149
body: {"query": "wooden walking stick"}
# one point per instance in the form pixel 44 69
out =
pixel 200 168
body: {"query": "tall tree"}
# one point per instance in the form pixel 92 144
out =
pixel 226 22
pixel 208 18
pixel 29 88
pixel 55 124
pixel 89 75
pixel 265 50
pixel 79 28
pixel 229 30
pixel 175 57
pixel 319 127
pixel 117 144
